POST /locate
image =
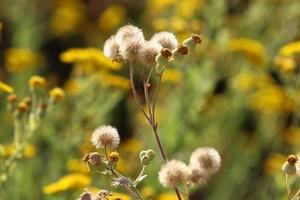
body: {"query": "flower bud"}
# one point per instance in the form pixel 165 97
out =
pixel 57 94
pixel 289 167
pixel 95 159
pixel 162 58
pixel 22 107
pixel 142 153
pixel 145 160
pixel 113 156
pixel 192 41
pixel 11 98
pixel 150 153
pixel 37 82
pixel 179 52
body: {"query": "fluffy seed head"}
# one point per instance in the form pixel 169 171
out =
pixel 166 39
pixel 207 159
pixel 130 48
pixel 195 175
pixel 86 195
pixel 173 173
pixel 111 49
pixel 148 53
pixel 129 32
pixel 106 137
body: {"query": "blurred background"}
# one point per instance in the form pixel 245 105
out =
pixel 238 92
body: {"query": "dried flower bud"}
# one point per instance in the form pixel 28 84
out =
pixel 114 156
pixel 28 101
pixel 11 98
pixel 162 59
pixel 95 159
pixel 22 107
pixel 102 195
pixel 122 181
pixel 43 106
pixel 37 82
pixel 179 52
pixel 86 195
pixel 192 41
pixel 142 153
pixel 289 167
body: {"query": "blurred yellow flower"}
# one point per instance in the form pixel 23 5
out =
pixel 29 150
pixel 187 8
pixel 285 64
pixel 67 182
pixel 77 166
pixel 148 192
pixel 292 136
pixel 112 17
pixel 20 59
pixel 37 81
pixel 271 99
pixel 89 56
pixel 67 17
pixel 252 49
pixel 273 163
pixel 6 88
pixel 244 81
pixel 120 196
pixel 157 6
pixel 72 87
pixel 290 48
pixel 57 94
pixel 131 145
pixel 168 196
pixel 114 80
pixel 172 75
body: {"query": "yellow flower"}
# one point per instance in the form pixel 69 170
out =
pixel 20 59
pixel 188 8
pixel 72 87
pixel 148 192
pixel 292 136
pixel 37 81
pixel 273 163
pixel 252 49
pixel 290 48
pixel 285 64
pixel 244 81
pixel 131 146
pixel 67 182
pixel 114 80
pixel 6 88
pixel 112 17
pixel 172 75
pixel 119 196
pixel 168 196
pixel 67 17
pixel 271 99
pixel 57 94
pixel 77 166
pixel 29 150
pixel 90 57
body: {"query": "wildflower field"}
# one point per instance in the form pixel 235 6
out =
pixel 149 99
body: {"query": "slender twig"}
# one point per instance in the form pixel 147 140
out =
pixel 140 174
pixel 288 188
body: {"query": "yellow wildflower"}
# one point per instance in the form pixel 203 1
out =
pixel 77 166
pixel 6 88
pixel 112 17
pixel 29 150
pixel 114 80
pixel 37 81
pixel 168 196
pixel 285 64
pixel 157 6
pixel 252 49
pixel 91 56
pixel 72 87
pixel 188 8
pixel 290 49
pixel 67 17
pixel 148 192
pixel 57 94
pixel 244 81
pixel 131 146
pixel 273 163
pixel 119 196
pixel 20 59
pixel 271 99
pixel 172 75
pixel 67 182
pixel 292 136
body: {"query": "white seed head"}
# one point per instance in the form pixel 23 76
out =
pixel 111 49
pixel 173 173
pixel 207 159
pixel 129 32
pixel 291 166
pixel 166 39
pixel 106 136
pixel 86 195
pixel 130 48
pixel 196 176
pixel 148 53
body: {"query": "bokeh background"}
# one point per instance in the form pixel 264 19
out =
pixel 238 92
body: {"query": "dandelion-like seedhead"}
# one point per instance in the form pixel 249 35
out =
pixel 291 166
pixel 129 49
pixel 165 39
pixel 111 49
pixel 207 159
pixel 86 195
pixel 196 175
pixel 148 53
pixel 129 32
pixel 106 137
pixel 173 173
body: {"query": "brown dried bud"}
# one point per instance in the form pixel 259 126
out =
pixel 43 106
pixel 197 38
pixel 166 52
pixel 292 159
pixel 28 101
pixel 114 156
pixel 183 49
pixel 95 158
pixel 11 98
